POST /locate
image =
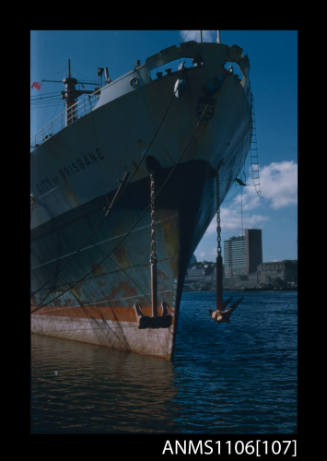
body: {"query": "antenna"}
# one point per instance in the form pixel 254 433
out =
pixel 71 94
pixel 69 75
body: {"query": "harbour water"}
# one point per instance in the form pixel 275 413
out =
pixel 236 378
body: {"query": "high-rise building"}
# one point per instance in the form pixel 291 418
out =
pixel 253 245
pixel 234 256
pixel 243 254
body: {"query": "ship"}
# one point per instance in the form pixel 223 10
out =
pixel 124 184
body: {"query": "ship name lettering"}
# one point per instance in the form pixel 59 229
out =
pixel 80 163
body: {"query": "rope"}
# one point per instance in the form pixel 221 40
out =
pixel 172 98
pixel 146 208
pixel 94 232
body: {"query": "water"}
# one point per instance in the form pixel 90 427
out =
pixel 237 378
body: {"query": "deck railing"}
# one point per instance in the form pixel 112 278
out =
pixel 82 107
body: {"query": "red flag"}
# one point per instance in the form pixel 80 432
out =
pixel 36 85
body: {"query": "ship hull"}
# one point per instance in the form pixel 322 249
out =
pixel 89 269
pixel 111 274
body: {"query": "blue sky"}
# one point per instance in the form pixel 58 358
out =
pixel 273 61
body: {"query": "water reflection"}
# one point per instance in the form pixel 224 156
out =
pixel 235 378
pixel 84 388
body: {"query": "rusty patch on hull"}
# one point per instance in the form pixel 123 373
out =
pixel 115 328
pixel 113 274
pixel 116 313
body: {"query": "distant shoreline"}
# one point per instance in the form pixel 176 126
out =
pixel 274 276
pixel 198 290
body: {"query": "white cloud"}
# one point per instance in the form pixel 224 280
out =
pixel 278 188
pixel 279 183
pixel 207 35
pixel 249 198
pixel 231 220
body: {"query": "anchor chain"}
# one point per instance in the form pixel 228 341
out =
pixel 153 256
pixel 165 320
pixel 219 261
pixel 218 217
pixel 221 314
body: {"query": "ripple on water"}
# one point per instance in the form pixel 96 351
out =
pixel 235 378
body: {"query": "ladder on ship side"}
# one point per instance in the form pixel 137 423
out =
pixel 254 153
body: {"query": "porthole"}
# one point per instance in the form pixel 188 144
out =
pixel 134 82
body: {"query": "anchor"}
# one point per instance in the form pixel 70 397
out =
pixel 221 314
pixel 145 321
pixel 155 321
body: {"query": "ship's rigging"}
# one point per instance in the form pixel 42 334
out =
pixel 254 152
pixel 93 271
pixel 194 134
pixel 71 93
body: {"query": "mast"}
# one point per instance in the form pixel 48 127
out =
pixel 70 94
